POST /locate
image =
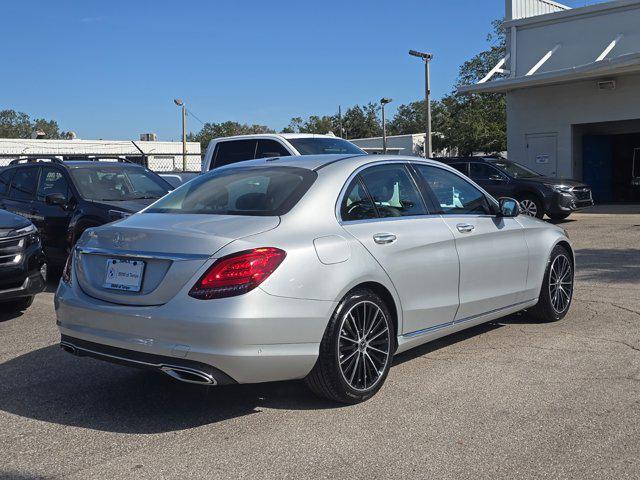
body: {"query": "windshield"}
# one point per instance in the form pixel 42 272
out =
pixel 324 145
pixel 260 191
pixel 117 183
pixel 514 169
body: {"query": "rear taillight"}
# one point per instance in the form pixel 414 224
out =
pixel 66 271
pixel 237 273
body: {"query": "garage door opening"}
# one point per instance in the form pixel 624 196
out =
pixel 611 162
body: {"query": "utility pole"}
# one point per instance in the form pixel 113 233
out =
pixel 426 57
pixel 180 103
pixel 340 121
pixel 383 102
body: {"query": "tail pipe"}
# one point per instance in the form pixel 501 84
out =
pixel 69 348
pixel 189 375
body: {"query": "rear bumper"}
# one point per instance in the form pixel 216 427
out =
pixel 251 338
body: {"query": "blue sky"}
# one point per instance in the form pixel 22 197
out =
pixel 110 69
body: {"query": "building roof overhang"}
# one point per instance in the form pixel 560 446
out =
pixel 621 65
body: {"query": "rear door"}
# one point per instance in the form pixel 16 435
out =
pixel 384 210
pixel 492 250
pixel 52 220
pixel 22 191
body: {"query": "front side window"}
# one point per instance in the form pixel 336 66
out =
pixel 482 171
pixel 114 183
pixel 259 191
pixel 454 194
pixel 393 191
pixel 233 151
pixel 270 148
pixel 23 186
pixel 324 146
pixel 356 204
pixel 52 181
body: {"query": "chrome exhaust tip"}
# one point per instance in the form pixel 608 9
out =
pixel 69 348
pixel 189 375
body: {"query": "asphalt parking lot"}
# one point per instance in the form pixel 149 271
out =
pixel 511 399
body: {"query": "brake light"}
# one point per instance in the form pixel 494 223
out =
pixel 66 271
pixel 237 273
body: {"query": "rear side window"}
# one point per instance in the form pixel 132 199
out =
pixel 270 148
pixel 23 186
pixel 5 180
pixel 482 171
pixel 258 191
pixel 454 194
pixel 52 181
pixel 393 191
pixel 356 203
pixel 233 151
pixel 461 167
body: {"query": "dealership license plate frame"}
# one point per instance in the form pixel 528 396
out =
pixel 124 274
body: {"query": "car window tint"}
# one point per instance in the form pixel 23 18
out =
pixel 393 191
pixel 461 167
pixel 233 151
pixel 324 146
pixel 454 194
pixel 356 203
pixel 5 179
pixel 270 148
pixel 482 171
pixel 23 186
pixel 52 181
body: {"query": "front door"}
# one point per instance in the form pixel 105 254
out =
pixel 491 179
pixel 384 210
pixel 542 153
pixel 492 250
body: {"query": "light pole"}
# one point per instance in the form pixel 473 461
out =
pixel 180 103
pixel 427 90
pixel 383 102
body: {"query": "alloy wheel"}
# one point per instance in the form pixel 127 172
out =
pixel 560 283
pixel 528 207
pixel 364 345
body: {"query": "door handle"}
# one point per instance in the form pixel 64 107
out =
pixel 384 238
pixel 465 227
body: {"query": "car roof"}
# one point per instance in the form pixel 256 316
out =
pixel 274 135
pixel 469 159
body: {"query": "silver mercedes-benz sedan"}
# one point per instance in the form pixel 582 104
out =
pixel 319 268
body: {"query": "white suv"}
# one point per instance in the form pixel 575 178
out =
pixel 226 150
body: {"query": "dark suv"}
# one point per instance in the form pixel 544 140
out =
pixel 63 199
pixel 537 194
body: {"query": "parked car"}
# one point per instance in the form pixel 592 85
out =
pixel 319 267
pixel 63 199
pixel 22 264
pixel 538 195
pixel 228 150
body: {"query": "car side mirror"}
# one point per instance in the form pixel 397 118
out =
pixel 509 207
pixel 56 199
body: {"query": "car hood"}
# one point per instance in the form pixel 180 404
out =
pixel 554 181
pixel 10 221
pixel 130 206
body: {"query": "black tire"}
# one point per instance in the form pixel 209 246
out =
pixel 327 379
pixel 530 203
pixel 546 309
pixel 558 216
pixel 20 304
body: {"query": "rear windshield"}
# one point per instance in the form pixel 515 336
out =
pixel 324 145
pixel 260 191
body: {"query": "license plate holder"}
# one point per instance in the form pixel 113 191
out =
pixel 124 275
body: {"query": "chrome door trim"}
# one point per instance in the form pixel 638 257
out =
pixel 384 238
pixel 141 255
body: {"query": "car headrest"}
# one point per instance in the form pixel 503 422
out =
pixel 252 201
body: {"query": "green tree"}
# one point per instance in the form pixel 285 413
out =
pixel 362 122
pixel 209 131
pixel 314 124
pixel 19 125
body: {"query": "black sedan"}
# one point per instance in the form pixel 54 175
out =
pixel 22 263
pixel 538 195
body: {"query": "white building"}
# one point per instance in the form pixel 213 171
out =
pixel 411 144
pixel 159 156
pixel 572 80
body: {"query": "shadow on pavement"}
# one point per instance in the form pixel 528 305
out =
pixel 608 265
pixel 53 386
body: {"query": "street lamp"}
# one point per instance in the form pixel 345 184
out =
pixel 180 103
pixel 383 102
pixel 427 57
